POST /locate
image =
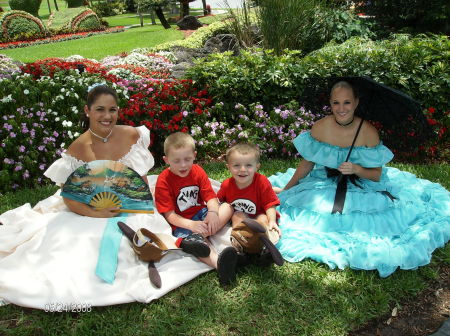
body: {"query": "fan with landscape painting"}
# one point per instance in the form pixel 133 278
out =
pixel 106 184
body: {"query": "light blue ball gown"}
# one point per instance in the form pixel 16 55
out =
pixel 374 232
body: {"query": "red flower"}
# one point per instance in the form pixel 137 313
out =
pixel 432 122
pixel 431 110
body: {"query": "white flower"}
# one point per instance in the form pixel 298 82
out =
pixel 26 91
pixel 66 123
pixel 7 99
pixel 57 119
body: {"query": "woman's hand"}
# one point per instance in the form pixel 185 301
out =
pixel 277 190
pixel 105 213
pixel 348 168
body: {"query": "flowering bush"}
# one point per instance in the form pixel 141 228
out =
pixel 58 38
pixel 437 148
pixel 8 67
pixel 163 107
pixel 272 130
pixel 39 118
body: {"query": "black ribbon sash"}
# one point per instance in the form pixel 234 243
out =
pixel 341 188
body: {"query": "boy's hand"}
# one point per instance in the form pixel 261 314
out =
pixel 274 226
pixel 213 223
pixel 199 227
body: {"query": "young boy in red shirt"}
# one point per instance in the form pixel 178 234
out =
pixel 184 196
pixel 250 195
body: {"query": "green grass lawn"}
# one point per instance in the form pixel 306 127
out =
pixel 304 298
pixel 99 46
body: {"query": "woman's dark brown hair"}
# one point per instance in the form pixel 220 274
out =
pixel 92 96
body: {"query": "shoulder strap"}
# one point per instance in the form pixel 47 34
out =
pixel 354 140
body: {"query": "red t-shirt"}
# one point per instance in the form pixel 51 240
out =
pixel 184 195
pixel 253 200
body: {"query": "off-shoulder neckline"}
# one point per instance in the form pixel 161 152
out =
pixel 308 133
pixel 81 162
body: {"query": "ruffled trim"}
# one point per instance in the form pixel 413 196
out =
pixel 60 170
pixel 373 233
pixel 332 156
pixel 138 158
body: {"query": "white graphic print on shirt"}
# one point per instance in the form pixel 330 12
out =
pixel 244 205
pixel 188 197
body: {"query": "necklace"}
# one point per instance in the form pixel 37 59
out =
pixel 337 122
pixel 104 139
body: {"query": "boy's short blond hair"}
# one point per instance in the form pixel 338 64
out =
pixel 244 148
pixel 178 140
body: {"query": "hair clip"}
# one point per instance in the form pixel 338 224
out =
pixel 94 86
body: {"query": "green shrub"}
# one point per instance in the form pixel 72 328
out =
pixel 108 8
pixel 19 25
pixel 417 16
pixel 306 25
pixel 254 75
pixel 72 20
pixel 417 66
pixel 29 6
pixel 196 40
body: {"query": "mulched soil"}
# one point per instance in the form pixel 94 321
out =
pixel 420 316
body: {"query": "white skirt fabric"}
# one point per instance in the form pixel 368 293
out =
pixel 48 257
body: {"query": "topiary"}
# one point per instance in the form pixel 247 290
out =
pixel 19 26
pixel 29 6
pixel 73 20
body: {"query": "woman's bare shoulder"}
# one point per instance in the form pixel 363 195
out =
pixel 371 137
pixel 128 132
pixel 77 148
pixel 318 129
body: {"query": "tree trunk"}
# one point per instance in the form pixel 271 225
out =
pixel 49 8
pixel 56 5
pixel 152 17
pixel 184 9
pixel 161 17
pixel 205 12
pixel 141 18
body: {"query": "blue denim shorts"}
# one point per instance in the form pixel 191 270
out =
pixel 182 232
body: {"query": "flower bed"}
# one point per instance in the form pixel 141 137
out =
pixel 59 38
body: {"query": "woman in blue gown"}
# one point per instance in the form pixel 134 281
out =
pixel 381 218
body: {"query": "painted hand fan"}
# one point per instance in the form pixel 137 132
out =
pixel 106 184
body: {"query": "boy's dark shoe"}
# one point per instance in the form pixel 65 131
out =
pixel 226 266
pixel 196 245
pixel 264 259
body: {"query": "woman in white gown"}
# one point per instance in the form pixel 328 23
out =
pixel 49 254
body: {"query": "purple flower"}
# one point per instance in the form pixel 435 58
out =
pixel 41 148
pixel 21 148
pixel 185 113
pixel 26 174
pixel 12 135
pixel 8 161
pixel 17 168
pixel 42 166
pixel 55 134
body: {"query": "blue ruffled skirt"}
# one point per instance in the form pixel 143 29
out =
pixel 373 231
